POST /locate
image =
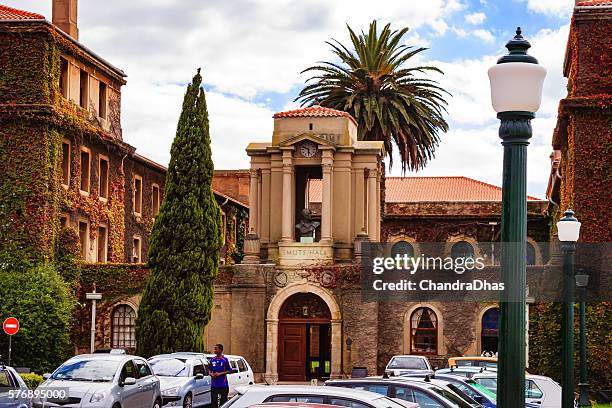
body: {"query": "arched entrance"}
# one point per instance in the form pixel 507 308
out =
pixel 490 330
pixel 274 317
pixel 304 338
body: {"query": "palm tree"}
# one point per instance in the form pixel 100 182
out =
pixel 388 100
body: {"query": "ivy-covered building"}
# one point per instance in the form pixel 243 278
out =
pixel 64 163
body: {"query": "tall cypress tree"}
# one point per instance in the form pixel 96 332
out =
pixel 185 241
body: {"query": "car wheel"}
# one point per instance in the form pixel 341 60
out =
pixel 116 405
pixel 188 401
pixel 157 404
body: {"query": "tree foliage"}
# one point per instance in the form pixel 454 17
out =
pixel 390 101
pixel 40 299
pixel 185 241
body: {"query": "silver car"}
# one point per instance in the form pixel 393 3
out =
pixel 257 394
pixel 14 393
pixel 101 381
pixel 183 379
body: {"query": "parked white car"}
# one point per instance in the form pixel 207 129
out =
pixel 408 364
pixel 242 373
pixel 540 390
pixel 345 397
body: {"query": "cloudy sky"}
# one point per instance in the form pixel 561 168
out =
pixel 252 51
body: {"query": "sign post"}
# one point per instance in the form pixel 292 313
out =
pixel 94 297
pixel 10 327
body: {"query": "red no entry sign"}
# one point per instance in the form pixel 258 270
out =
pixel 11 326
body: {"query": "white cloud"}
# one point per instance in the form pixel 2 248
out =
pixel 556 8
pixel 476 18
pixel 472 146
pixel 484 35
pixel 247 48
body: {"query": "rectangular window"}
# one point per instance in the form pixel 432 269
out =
pixel 66 163
pixel 64 221
pixel 137 195
pixel 85 170
pixel 102 100
pixel 84 90
pixel 136 250
pixel 102 244
pixel 84 239
pixel 63 78
pixel 155 200
pixel 103 175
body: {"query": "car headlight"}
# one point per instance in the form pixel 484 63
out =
pixel 171 391
pixel 98 396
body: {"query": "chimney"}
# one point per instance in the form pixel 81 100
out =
pixel 65 17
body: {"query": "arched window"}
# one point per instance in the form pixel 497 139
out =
pixel 490 330
pixel 423 331
pixel 123 326
pixel 401 248
pixel 530 254
pixel 462 249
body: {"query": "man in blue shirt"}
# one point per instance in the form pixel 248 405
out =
pixel 218 369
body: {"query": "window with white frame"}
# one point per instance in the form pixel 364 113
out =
pixel 136 250
pixel 123 327
pixel 137 195
pixel 85 169
pixel 103 168
pixel 102 243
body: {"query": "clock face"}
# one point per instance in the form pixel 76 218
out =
pixel 308 149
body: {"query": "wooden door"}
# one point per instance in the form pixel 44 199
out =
pixel 292 352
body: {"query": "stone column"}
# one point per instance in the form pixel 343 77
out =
pixel 372 206
pixel 287 210
pixel 253 201
pixel 326 200
pixel 271 375
pixel 336 355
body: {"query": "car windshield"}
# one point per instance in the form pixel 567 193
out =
pixel 388 402
pixel 87 370
pixel 484 391
pixel 408 362
pixel 169 367
pixel 454 398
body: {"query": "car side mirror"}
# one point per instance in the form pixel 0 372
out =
pixel 46 376
pixel 129 381
pixel 199 376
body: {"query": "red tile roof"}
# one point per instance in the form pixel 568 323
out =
pixel 594 3
pixel 315 111
pixel 9 13
pixel 430 189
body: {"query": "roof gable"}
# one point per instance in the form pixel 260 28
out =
pixel 9 13
pixel 315 111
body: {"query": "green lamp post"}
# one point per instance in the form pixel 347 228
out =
pixel 582 280
pixel 516 93
pixel 568 229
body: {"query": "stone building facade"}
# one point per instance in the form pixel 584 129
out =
pixel 294 306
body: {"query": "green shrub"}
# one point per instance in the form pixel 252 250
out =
pixel 41 300
pixel 32 380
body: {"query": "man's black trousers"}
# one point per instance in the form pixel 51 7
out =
pixel 218 396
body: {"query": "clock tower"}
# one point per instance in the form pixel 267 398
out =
pixel 314 153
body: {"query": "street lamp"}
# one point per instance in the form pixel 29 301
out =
pixel 582 280
pixel 94 297
pixel 516 93
pixel 568 229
